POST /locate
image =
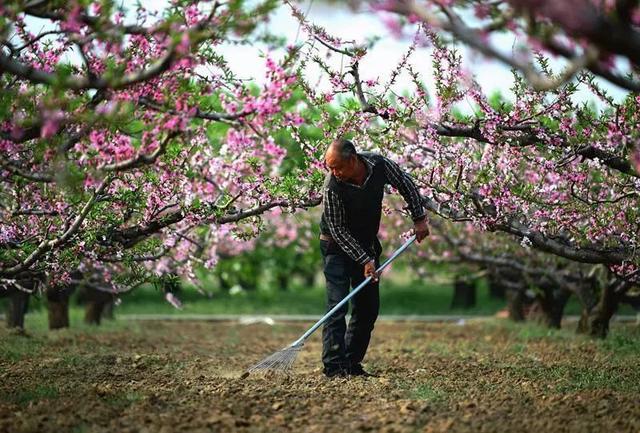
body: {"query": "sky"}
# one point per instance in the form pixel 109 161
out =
pixel 379 62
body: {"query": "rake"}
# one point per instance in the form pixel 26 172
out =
pixel 282 360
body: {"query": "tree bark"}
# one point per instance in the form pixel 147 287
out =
pixel 555 310
pixel 309 279
pixel 587 295
pixel 600 316
pixel 496 290
pixel 58 306
pixel 283 282
pixel 108 313
pixel 552 302
pixel 18 303
pixel 464 294
pixel 515 304
pixel 96 301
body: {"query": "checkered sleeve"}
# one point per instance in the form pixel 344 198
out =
pixel 335 214
pixel 407 188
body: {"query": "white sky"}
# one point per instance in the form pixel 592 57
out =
pixel 379 61
pixel 383 58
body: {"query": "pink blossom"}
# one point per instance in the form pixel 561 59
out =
pixel 96 8
pixel 636 159
pixel 192 14
pixel 481 10
pixel 51 123
pixel 173 300
pixel 73 23
pixel 393 24
pixel 184 47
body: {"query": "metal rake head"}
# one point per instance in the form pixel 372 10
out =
pixel 279 362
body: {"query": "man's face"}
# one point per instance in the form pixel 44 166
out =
pixel 343 169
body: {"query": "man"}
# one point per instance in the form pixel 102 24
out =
pixel 350 248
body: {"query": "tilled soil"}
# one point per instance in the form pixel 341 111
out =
pixel 484 376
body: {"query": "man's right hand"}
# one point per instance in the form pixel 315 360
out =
pixel 370 271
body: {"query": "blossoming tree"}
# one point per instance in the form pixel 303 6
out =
pixel 555 174
pixel 121 137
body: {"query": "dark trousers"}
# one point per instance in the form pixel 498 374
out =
pixel 344 346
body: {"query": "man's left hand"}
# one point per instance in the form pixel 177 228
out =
pixel 421 230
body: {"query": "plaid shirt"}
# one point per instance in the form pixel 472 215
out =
pixel 335 211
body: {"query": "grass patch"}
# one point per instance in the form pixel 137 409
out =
pixel 622 343
pixel 39 392
pixel 15 347
pixel 571 378
pixel 123 400
pixel 439 348
pixel 518 348
pixel 427 392
pixel 395 299
pixel 613 378
pixel 525 332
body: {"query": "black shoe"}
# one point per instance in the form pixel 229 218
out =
pixel 334 372
pixel 357 370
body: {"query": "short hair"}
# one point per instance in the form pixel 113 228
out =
pixel 345 148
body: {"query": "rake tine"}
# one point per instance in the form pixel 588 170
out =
pixel 280 361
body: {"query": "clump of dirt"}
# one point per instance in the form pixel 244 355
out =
pixel 433 377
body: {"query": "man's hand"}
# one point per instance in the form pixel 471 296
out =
pixel 421 229
pixel 370 271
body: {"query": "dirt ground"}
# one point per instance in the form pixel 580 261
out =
pixel 485 376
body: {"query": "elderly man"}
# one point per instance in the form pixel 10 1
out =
pixel 350 248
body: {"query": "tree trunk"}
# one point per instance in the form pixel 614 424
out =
pixel 555 310
pixel 309 279
pixel 58 306
pixel 96 301
pixel 515 304
pixel 18 303
pixel 283 282
pixel 535 311
pixel 600 316
pixel 586 294
pixel 464 294
pixel 93 312
pixel 224 283
pixel 496 290
pixel 551 304
pixel 108 313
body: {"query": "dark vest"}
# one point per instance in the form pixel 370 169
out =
pixel 363 205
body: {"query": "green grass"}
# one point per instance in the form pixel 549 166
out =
pixel 531 331
pixel 620 352
pixel 397 298
pixel 427 392
pixel 572 378
pixel 619 342
pixel 39 392
pixel 37 322
pixel 579 379
pixel 16 347
pixel 400 295
pixel 622 344
pixel 123 400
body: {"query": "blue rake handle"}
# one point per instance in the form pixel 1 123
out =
pixel 346 299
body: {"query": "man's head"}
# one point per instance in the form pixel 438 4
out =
pixel 342 160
